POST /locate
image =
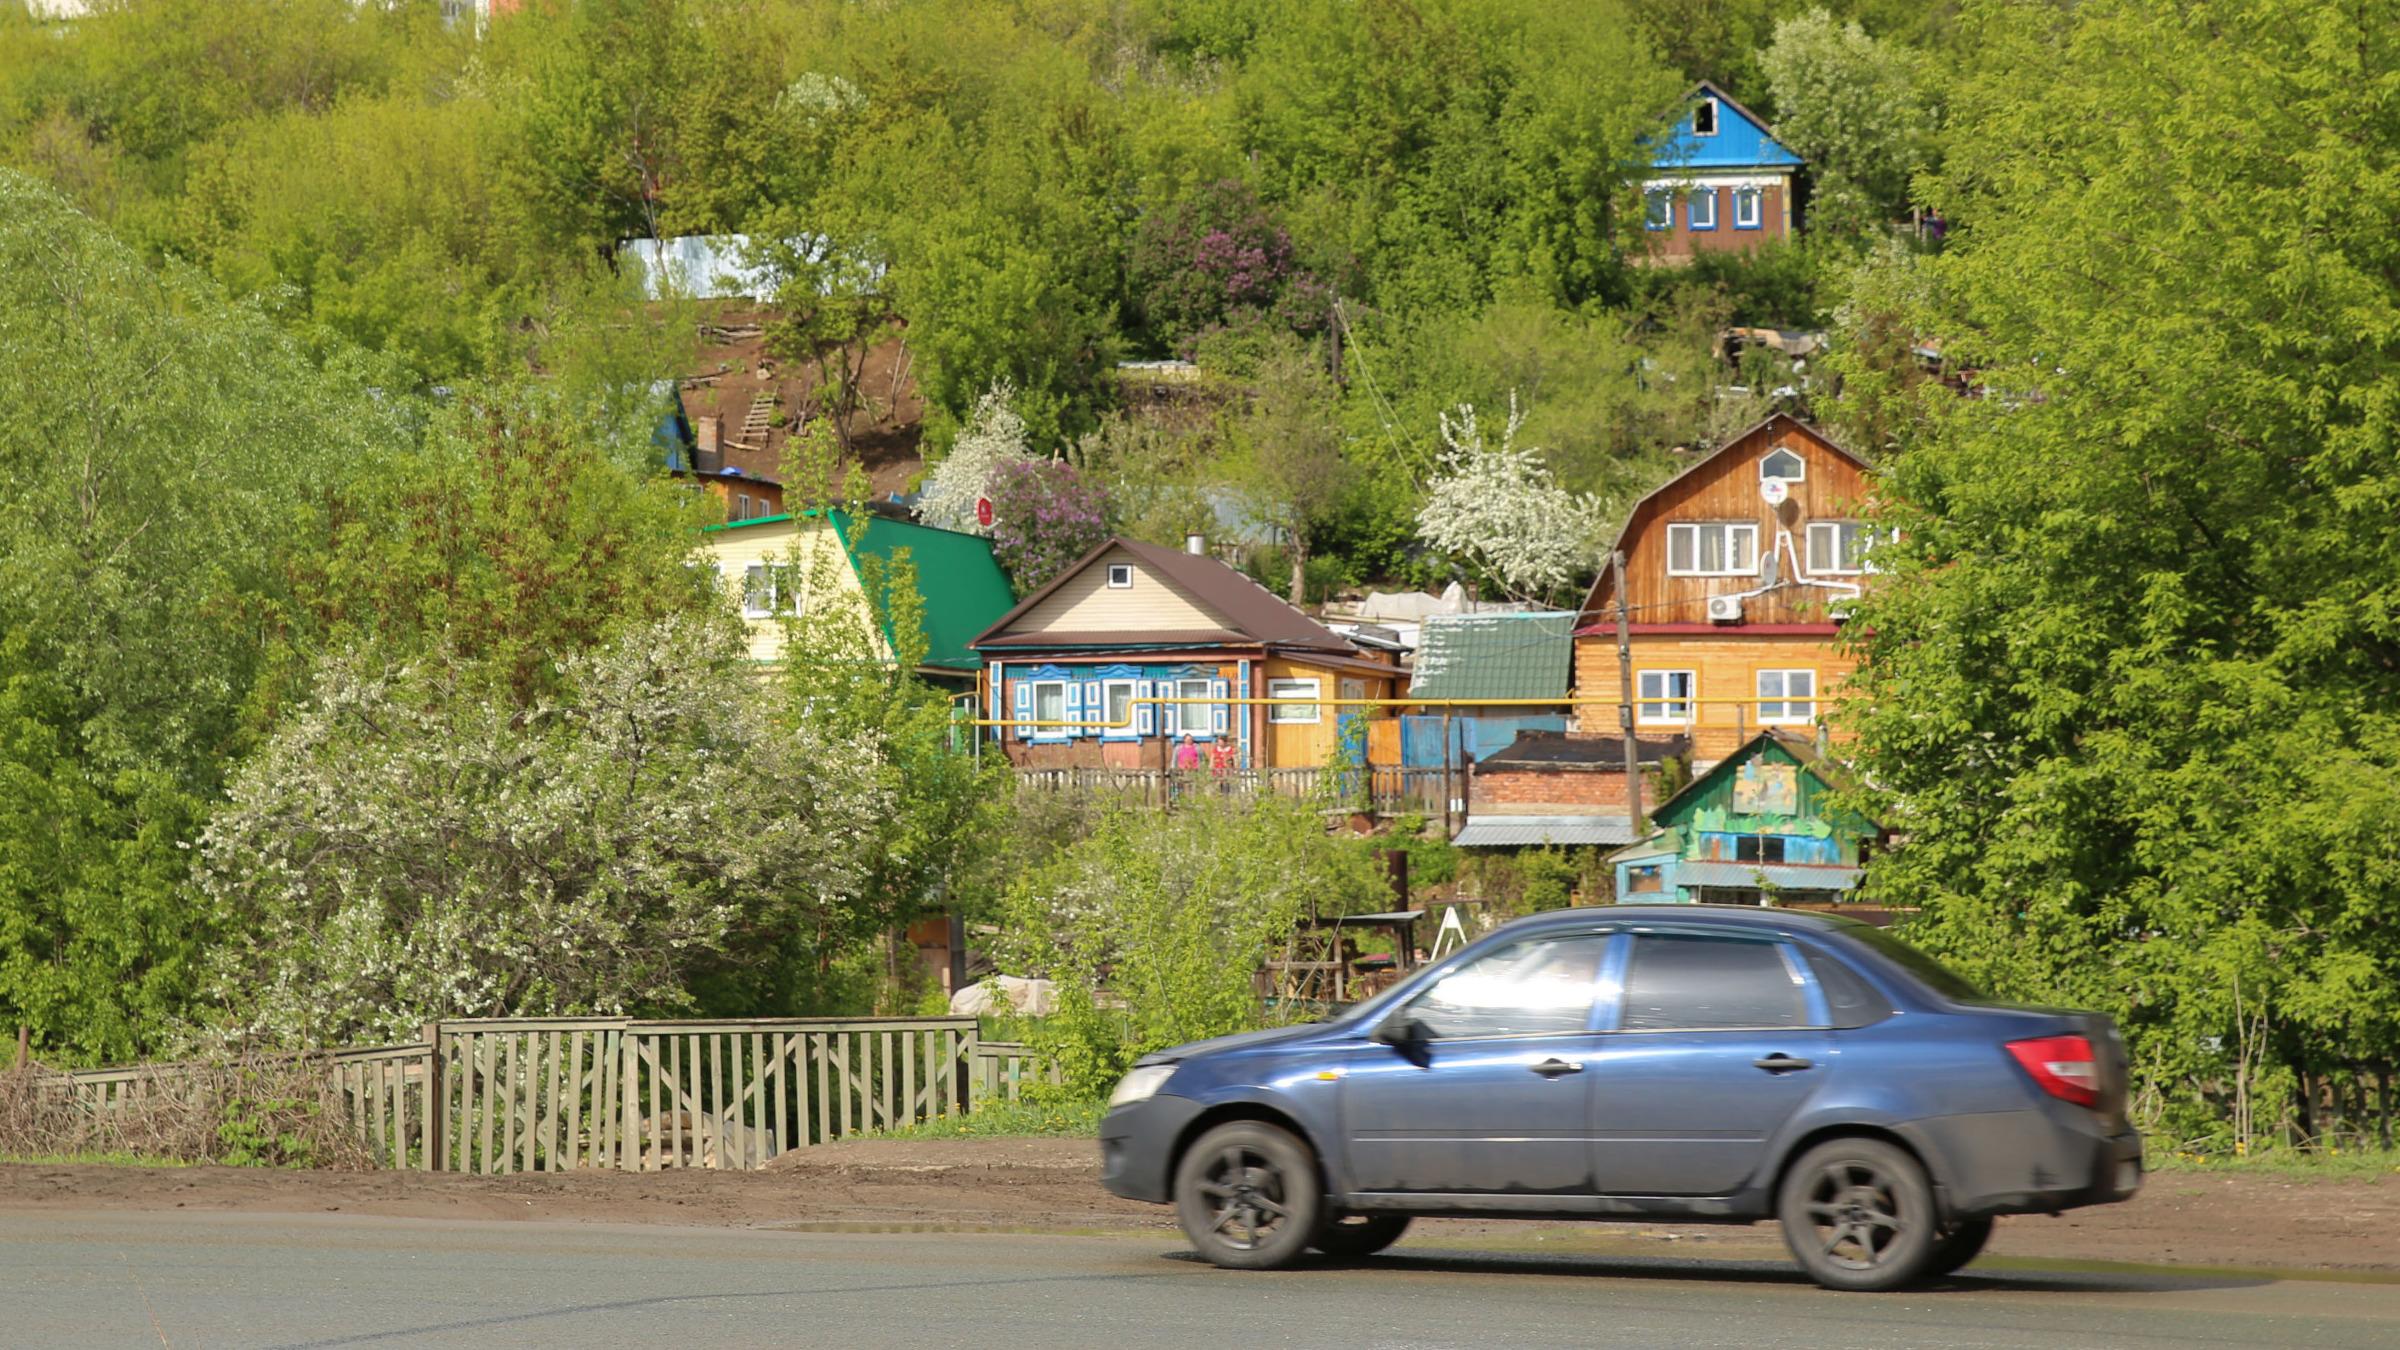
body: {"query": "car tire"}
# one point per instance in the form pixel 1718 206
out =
pixel 1355 1237
pixel 1858 1215
pixel 1248 1196
pixel 1954 1249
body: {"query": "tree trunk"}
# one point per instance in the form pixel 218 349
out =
pixel 1299 569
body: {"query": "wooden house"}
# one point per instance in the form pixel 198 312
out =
pixel 1718 182
pixel 781 567
pixel 1759 827
pixel 1131 621
pixel 1738 572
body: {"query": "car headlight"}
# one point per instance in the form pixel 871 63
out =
pixel 1140 1085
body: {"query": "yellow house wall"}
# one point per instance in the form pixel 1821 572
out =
pixel 1088 604
pixel 809 546
pixel 1724 668
pixel 1292 745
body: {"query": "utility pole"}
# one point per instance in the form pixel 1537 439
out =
pixel 1633 748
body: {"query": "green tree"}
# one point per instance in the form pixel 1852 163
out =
pixel 1855 109
pixel 1288 452
pixel 2129 670
pixel 169 460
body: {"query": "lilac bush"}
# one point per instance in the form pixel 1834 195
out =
pixel 1218 259
pixel 1045 515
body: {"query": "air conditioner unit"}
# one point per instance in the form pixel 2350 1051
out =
pixel 1724 609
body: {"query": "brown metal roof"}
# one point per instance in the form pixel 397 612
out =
pixel 1250 611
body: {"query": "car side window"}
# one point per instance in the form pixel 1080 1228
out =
pixel 1851 1001
pixel 1675 982
pixel 1539 987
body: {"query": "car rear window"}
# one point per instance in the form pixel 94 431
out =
pixel 1690 983
pixel 1932 974
pixel 1851 1001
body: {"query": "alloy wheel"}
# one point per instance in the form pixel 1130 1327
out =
pixel 1855 1209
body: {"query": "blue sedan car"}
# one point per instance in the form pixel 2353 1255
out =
pixel 1685 1063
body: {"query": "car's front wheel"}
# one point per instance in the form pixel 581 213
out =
pixel 1247 1196
pixel 1858 1215
pixel 1354 1237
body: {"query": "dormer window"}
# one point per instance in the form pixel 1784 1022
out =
pixel 1782 463
pixel 1120 576
pixel 1704 117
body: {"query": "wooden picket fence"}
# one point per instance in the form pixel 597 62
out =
pixel 553 1094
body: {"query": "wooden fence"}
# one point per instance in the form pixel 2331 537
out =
pixel 1385 789
pixel 554 1094
pixel 1003 1068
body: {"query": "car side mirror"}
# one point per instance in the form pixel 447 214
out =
pixel 1401 1032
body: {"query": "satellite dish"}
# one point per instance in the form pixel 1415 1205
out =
pixel 1774 490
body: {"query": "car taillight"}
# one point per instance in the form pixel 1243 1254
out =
pixel 2063 1066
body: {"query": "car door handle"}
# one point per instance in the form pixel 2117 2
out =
pixel 1782 1064
pixel 1555 1068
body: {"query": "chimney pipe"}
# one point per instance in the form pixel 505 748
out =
pixel 708 434
pixel 1196 545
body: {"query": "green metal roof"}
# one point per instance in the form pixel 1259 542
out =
pixel 958 579
pixel 1494 656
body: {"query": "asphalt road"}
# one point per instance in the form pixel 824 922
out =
pixel 137 1279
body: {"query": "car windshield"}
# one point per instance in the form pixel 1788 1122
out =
pixel 1935 976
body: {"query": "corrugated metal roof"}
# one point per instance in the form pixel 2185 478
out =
pixel 1789 876
pixel 1494 656
pixel 1534 831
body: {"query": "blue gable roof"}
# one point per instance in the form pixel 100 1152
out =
pixel 1742 140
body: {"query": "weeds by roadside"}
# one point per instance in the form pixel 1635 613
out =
pixel 258 1111
pixel 1008 1120
pixel 2327 1163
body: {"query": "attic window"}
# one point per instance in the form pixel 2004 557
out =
pixel 1120 576
pixel 1704 117
pixel 1783 464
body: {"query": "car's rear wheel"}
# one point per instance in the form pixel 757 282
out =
pixel 1247 1196
pixel 1858 1215
pixel 1954 1249
pixel 1352 1237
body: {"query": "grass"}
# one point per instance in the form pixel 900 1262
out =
pixel 1008 1120
pixel 2326 1164
pixel 88 1160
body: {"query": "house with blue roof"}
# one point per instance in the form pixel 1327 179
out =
pixel 1719 182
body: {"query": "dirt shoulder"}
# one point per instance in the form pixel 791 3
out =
pixel 2180 1218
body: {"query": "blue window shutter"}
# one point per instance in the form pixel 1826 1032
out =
pixel 1074 702
pixel 1219 716
pixel 1024 712
pixel 1095 709
pixel 1145 713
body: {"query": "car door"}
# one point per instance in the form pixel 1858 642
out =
pixel 1490 1098
pixel 1718 1040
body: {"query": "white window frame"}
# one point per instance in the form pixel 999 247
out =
pixel 1120 576
pixel 765 573
pixel 1716 117
pixel 1034 703
pixel 1658 197
pixel 1656 706
pixel 1818 561
pixel 1202 713
pixel 1107 714
pixel 1704 192
pixel 1791 709
pixel 1730 528
pixel 1749 208
pixel 1797 458
pixel 1286 714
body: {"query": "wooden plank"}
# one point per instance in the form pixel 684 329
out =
pixel 510 1096
pixel 782 1041
pixel 752 1106
pixel 603 1118
pixel 884 1077
pixel 653 1153
pixel 554 1110
pixel 675 1106
pixel 395 1079
pixel 689 1116
pixel 462 1049
pixel 716 1105
pixel 822 1048
pixel 844 1058
pixel 571 1147
pixel 371 1102
pixel 908 1077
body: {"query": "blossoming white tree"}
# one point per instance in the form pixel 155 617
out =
pixel 993 435
pixel 406 847
pixel 1501 509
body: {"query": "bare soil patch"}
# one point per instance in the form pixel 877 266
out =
pixel 2180 1218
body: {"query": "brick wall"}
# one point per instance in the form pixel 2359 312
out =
pixel 1525 790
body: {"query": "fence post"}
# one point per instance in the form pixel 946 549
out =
pixel 437 1099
